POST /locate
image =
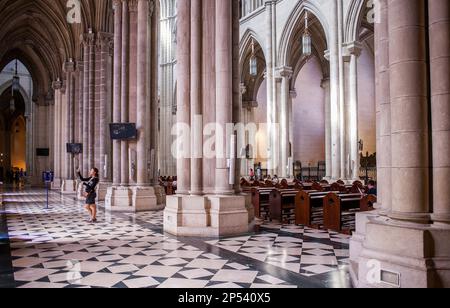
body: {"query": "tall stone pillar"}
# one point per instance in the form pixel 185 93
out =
pixel 183 92
pixel 335 94
pixel 92 102
pixel 104 42
pixel 124 154
pixel 328 160
pixel 117 197
pixel 354 50
pixel 405 250
pixel 80 72
pixel 220 211
pixel 271 88
pixel 69 183
pixel 143 195
pixel 117 76
pixel 58 154
pixel 409 107
pixel 286 75
pixel 383 107
pixel 439 23
pixel 224 92
pixel 86 58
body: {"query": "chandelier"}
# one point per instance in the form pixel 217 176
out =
pixel 306 39
pixel 253 62
pixel 15 87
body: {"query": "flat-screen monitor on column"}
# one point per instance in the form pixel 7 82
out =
pixel 123 131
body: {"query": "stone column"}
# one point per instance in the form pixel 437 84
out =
pixel 270 78
pixel 80 71
pixel 222 212
pixel 383 107
pixel 91 105
pixel 342 94
pixel 57 85
pixel 183 90
pixel 86 105
pixel 224 92
pixel 142 65
pixel 196 99
pixel 286 75
pixel 125 176
pixel 334 93
pixel 439 23
pixel 69 184
pixel 116 159
pixel 354 49
pixel 409 107
pixel 328 161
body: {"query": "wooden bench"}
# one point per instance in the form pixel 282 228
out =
pixel 260 200
pixel 309 208
pixel 282 204
pixel 339 211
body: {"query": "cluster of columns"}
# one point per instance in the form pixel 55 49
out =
pixel 208 91
pixel 82 115
pixel 413 87
pixel 341 114
pixel 134 100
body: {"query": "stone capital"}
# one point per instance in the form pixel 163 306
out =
pixel 293 93
pixel 88 39
pixel 133 5
pixel 353 48
pixel 57 85
pixel 243 88
pixel 325 82
pixel 69 66
pixel 284 72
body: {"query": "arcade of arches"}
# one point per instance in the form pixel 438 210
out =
pixel 369 101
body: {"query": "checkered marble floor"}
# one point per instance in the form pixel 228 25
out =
pixel 57 248
pixel 299 252
pixel 309 252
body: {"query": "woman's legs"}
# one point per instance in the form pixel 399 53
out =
pixel 88 208
pixel 93 210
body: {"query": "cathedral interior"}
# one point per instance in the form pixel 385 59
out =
pixel 224 144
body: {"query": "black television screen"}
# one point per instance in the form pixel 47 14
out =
pixel 123 131
pixel 74 148
pixel 43 152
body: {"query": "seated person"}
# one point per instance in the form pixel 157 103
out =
pixel 372 188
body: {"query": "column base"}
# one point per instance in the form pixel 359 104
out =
pixel 206 216
pixel 102 190
pixel 69 187
pixel 80 191
pixel 144 199
pixel 131 199
pixel 399 254
pixel 56 185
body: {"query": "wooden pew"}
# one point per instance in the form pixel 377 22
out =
pixel 367 203
pixel 339 210
pixel 260 200
pixel 309 208
pixel 282 204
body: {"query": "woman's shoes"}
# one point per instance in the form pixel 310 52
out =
pixel 93 221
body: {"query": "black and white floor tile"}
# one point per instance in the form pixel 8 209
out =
pixel 57 247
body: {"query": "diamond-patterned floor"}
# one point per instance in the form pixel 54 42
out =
pixel 57 247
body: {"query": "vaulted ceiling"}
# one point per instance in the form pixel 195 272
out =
pixel 37 33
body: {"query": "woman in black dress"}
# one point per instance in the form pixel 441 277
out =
pixel 90 185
